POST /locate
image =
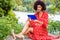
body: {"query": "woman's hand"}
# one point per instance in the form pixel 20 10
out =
pixel 29 19
pixel 38 21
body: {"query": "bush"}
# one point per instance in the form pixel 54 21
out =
pixel 7 23
pixel 54 26
pixel 1 12
pixel 6 5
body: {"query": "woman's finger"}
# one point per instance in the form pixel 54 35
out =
pixel 29 19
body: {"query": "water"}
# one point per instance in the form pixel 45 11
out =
pixel 22 16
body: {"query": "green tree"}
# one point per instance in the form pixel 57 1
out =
pixel 53 6
pixel 8 21
pixel 24 5
pixel 6 5
pixel 18 2
pixel 28 4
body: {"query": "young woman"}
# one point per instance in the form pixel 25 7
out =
pixel 37 29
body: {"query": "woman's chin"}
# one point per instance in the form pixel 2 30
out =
pixel 38 11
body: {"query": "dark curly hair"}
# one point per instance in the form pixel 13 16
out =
pixel 39 3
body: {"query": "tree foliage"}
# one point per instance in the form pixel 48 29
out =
pixel 6 5
pixel 53 6
pixel 8 21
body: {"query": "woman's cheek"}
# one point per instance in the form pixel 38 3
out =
pixel 39 9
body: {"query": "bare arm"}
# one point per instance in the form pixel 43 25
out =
pixel 38 21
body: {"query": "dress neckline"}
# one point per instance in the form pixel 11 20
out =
pixel 37 15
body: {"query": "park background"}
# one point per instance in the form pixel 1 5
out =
pixel 13 14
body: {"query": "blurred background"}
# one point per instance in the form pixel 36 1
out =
pixel 13 15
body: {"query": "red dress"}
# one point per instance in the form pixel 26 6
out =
pixel 40 31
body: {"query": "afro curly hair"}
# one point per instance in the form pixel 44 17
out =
pixel 39 3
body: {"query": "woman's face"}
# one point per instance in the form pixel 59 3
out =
pixel 39 8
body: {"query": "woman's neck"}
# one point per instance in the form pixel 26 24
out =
pixel 40 13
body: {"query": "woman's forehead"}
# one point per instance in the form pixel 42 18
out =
pixel 38 5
